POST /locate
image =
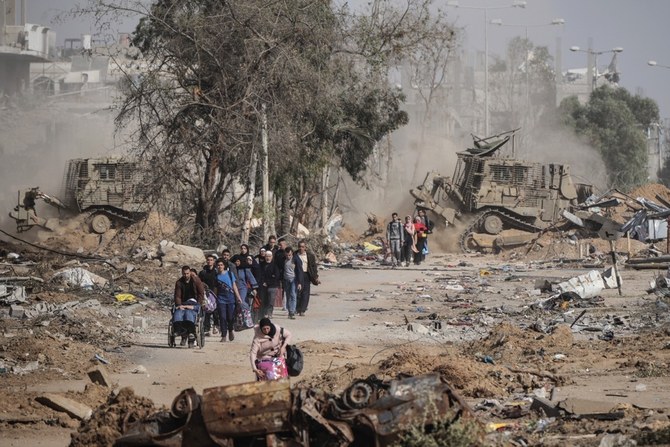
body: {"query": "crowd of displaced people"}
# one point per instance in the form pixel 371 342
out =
pixel 277 276
pixel 408 241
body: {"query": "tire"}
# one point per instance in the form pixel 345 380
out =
pixel 100 223
pixel 171 337
pixel 493 224
pixel 359 395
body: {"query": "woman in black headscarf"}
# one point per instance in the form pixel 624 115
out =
pixel 268 350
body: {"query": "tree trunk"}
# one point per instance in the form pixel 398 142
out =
pixel 246 226
pixel 266 175
pixel 285 221
pixel 325 178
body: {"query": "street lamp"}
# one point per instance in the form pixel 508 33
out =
pixel 555 22
pixel 656 64
pixel 595 54
pixel 515 4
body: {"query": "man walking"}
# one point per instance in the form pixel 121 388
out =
pixel 394 238
pixel 306 261
pixel 208 277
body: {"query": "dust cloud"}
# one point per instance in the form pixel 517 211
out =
pixel 410 161
pixel 37 139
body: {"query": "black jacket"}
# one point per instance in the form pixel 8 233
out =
pixel 270 275
pixel 208 277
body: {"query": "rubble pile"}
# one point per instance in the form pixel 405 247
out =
pixel 109 420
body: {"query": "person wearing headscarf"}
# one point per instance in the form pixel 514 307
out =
pixel 409 238
pixel 268 350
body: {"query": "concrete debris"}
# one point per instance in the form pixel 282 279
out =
pixel 616 440
pixel 590 284
pixel 10 294
pixel 418 328
pixel 140 323
pixel 16 311
pixel 169 252
pixel 100 376
pixel 73 408
pixel 80 277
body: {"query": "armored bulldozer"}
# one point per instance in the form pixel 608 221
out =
pixel 493 193
pixel 109 190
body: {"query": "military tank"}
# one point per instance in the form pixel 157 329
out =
pixel 490 193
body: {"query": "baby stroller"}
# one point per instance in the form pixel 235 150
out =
pixel 179 328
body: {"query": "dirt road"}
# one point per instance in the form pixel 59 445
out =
pixel 357 318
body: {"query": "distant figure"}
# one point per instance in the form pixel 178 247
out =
pixel 270 280
pixel 307 262
pixel 421 237
pixel 409 244
pixel 394 238
pixel 292 281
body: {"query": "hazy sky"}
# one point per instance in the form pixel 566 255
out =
pixel 639 26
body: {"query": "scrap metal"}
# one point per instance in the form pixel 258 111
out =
pixel 369 412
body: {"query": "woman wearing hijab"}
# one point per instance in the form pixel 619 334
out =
pixel 268 350
pixel 409 244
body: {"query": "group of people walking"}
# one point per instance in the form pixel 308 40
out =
pixel 278 275
pixel 408 240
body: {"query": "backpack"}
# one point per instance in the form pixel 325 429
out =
pixel 294 359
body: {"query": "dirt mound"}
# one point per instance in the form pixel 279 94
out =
pixel 650 191
pixel 74 236
pixel 107 422
pixel 147 232
pixel 468 376
pixel 512 344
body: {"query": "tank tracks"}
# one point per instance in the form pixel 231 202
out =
pixel 115 215
pixel 509 221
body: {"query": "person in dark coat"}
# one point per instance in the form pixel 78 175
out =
pixel 307 262
pixel 269 284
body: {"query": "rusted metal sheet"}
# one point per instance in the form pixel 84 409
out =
pixel 249 409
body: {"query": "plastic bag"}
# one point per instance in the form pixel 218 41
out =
pixel 242 317
pixel 210 302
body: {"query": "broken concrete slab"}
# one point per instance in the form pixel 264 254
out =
pixel 12 294
pixel 180 254
pixel 418 328
pixel 16 311
pixel 100 376
pixel 140 322
pixel 591 409
pixel 61 403
pixel 546 406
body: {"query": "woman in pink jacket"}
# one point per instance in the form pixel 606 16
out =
pixel 268 350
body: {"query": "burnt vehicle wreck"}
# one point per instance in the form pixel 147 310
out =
pixel 369 412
